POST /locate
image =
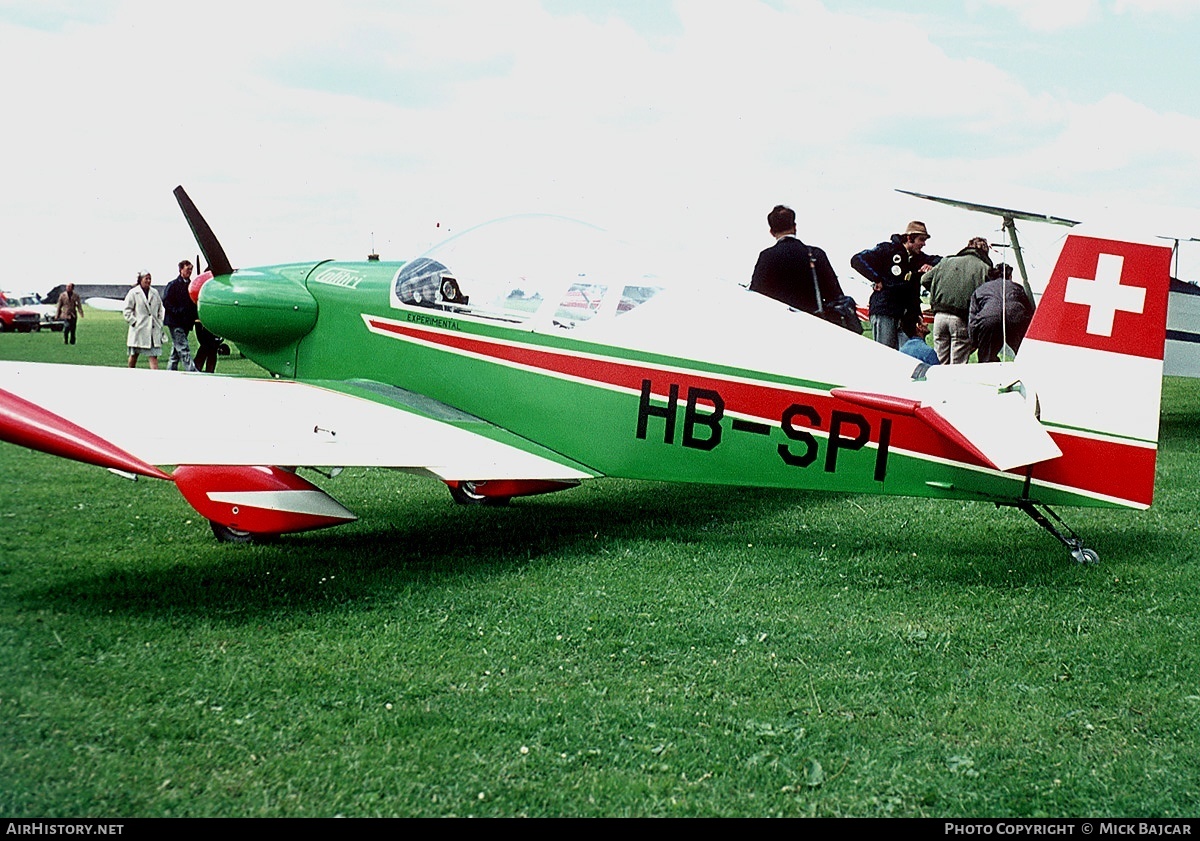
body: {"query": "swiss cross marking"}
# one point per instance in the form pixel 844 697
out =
pixel 1105 295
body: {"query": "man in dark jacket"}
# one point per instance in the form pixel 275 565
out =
pixel 180 316
pixel 1000 313
pixel 790 271
pixel 894 269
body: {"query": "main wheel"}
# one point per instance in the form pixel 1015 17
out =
pixel 466 493
pixel 226 534
pixel 1084 555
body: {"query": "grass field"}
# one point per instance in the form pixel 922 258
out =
pixel 621 649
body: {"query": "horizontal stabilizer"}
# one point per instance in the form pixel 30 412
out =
pixel 997 428
pixel 1002 428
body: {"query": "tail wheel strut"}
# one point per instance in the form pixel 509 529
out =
pixel 1066 535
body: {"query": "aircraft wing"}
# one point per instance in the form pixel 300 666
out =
pixel 174 418
pixel 992 210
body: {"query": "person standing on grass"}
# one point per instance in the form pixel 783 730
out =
pixel 181 316
pixel 1000 313
pixel 69 311
pixel 206 353
pixel 144 314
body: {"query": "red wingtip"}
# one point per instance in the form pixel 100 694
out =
pixel 29 425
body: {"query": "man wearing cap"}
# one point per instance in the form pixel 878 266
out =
pixel 790 271
pixel 893 268
pixel 951 284
pixel 181 316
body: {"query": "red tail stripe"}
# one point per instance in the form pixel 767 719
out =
pixel 1108 468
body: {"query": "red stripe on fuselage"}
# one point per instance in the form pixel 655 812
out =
pixel 1090 465
pixel 756 400
pixel 1100 467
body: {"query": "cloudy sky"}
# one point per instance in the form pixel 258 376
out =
pixel 314 130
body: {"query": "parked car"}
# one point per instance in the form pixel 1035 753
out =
pixel 13 316
pixel 33 301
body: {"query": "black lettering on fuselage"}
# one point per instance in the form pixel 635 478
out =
pixel 432 321
pixel 693 418
pixel 847 430
pixel 646 409
pixel 838 442
pixel 788 424
pixel 881 454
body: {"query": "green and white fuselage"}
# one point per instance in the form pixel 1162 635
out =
pixel 567 345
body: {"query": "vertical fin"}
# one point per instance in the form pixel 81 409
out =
pixel 1094 355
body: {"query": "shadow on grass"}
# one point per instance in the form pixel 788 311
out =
pixel 439 544
pixel 813 537
pixel 1179 420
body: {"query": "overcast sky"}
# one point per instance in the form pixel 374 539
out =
pixel 304 130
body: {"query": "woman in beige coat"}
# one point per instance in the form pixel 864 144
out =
pixel 144 315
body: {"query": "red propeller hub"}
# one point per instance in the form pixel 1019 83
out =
pixel 197 282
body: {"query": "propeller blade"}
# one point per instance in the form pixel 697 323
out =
pixel 218 263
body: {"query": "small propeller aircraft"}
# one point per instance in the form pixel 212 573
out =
pixel 529 354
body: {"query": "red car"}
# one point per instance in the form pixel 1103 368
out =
pixel 15 317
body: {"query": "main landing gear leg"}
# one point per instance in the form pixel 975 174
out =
pixel 1070 539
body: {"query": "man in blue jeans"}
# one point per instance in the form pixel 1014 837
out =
pixel 181 315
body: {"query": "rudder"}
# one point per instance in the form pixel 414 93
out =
pixel 1094 355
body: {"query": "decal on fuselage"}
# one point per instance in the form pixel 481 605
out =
pixel 345 278
pixel 704 410
pixel 432 321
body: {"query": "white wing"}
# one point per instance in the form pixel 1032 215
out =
pixel 170 418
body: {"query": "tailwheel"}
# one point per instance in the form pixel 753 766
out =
pixel 228 534
pixel 468 493
pixel 1066 536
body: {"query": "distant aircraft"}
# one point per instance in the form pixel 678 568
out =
pixel 1182 356
pixel 527 355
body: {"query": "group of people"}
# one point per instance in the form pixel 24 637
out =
pixel 147 313
pixel 976 306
